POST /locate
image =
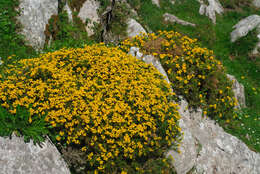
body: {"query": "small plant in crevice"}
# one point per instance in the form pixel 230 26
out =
pixel 61 32
pixel 23 124
pixel 193 71
pixel 102 105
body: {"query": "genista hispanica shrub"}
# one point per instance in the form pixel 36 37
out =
pixel 194 71
pixel 114 108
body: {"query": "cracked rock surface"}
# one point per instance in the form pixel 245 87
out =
pixel 214 7
pixel 35 14
pixel 27 158
pixel 206 148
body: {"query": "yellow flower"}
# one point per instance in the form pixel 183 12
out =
pixel 58 138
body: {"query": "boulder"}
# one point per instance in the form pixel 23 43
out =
pixel 89 15
pixel 171 18
pixel 16 156
pixel 210 9
pixel 134 28
pixel 244 26
pixel 34 16
pixel 207 149
pixel 238 90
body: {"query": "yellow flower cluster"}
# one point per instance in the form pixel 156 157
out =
pixel 193 70
pixel 108 103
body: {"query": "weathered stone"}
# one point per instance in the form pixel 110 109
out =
pixel 27 158
pixel 206 148
pixel 89 16
pixel 34 16
pixel 238 90
pixel 256 3
pixel 156 2
pixel 149 59
pixel 174 19
pixel 244 26
pixel 134 28
pixel 211 9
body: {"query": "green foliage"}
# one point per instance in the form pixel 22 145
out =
pixel 65 33
pixel 234 56
pixel 11 43
pixel 19 123
pixel 193 71
pixel 109 105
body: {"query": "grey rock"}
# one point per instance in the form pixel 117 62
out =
pixel 238 90
pixel 34 17
pixel 171 18
pixel 256 3
pixel 27 158
pixel 149 59
pixel 88 12
pixel 134 28
pixel 244 26
pixel 214 7
pixel 206 148
pixel 156 2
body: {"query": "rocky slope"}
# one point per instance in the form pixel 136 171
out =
pixel 206 147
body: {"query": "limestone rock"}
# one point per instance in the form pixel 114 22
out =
pixel 238 90
pixel 27 158
pixel 207 149
pixel 244 26
pixel 88 14
pixel 211 9
pixel 156 2
pixel 174 19
pixel 256 3
pixel 34 17
pixel 134 28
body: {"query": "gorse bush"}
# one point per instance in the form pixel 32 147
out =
pixel 114 108
pixel 193 71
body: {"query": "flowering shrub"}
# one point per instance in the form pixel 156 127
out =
pixel 115 108
pixel 193 71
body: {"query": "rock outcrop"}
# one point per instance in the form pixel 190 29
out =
pixel 89 15
pixel 206 148
pixel 171 18
pixel 134 28
pixel 34 16
pixel 238 90
pixel 214 7
pixel 27 158
pixel 244 26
